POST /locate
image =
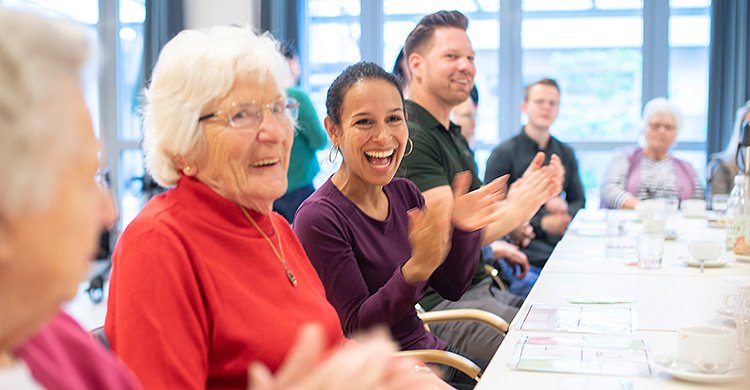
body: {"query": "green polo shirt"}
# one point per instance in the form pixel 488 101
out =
pixel 438 155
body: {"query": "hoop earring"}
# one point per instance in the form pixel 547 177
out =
pixel 333 153
pixel 411 149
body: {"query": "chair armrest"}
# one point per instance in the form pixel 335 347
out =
pixel 493 272
pixel 454 360
pixel 476 315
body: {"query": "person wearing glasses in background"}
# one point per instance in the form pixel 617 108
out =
pixel 207 280
pixel 637 173
pixel 540 104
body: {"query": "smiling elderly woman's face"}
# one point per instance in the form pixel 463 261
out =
pixel 661 131
pixel 247 166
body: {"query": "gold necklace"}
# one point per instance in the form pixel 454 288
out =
pixel 280 256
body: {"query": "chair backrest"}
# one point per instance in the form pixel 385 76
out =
pixel 99 335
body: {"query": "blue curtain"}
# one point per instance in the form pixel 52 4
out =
pixel 729 84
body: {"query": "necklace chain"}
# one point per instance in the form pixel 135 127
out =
pixel 279 255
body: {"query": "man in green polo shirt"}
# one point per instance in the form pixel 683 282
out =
pixel 441 61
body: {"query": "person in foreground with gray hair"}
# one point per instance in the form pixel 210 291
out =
pixel 207 280
pixel 52 210
pixel 651 172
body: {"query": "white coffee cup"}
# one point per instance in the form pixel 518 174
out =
pixel 649 208
pixel 693 207
pixel 655 226
pixel 705 250
pixel 710 348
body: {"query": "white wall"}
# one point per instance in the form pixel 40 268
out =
pixel 204 13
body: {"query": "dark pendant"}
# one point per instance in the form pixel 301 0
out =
pixel 291 277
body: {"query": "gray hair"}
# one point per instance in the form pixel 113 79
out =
pixel 661 105
pixel 195 68
pixel 37 57
pixel 730 152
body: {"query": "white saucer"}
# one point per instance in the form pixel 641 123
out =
pixel 590 232
pixel 744 259
pixel 720 262
pixel 688 372
pixel 726 313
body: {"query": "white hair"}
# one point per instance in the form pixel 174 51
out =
pixel 730 152
pixel 195 68
pixel 661 105
pixel 37 56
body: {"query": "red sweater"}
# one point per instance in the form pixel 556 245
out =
pixel 197 294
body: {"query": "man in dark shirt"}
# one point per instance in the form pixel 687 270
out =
pixel 441 62
pixel 512 157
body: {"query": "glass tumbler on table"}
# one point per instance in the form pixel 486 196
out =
pixel 650 249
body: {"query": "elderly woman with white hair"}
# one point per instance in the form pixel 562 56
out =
pixel 651 172
pixel 207 280
pixel 52 209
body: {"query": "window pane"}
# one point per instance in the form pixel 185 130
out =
pixel 341 50
pixel 131 185
pixel 333 7
pixel 130 56
pixel 689 38
pixel 132 11
pixel 599 74
pixel 424 7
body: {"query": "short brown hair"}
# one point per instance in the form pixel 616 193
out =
pixel 423 32
pixel 547 81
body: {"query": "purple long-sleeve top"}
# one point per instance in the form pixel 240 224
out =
pixel 359 260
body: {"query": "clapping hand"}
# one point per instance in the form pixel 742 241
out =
pixel 370 365
pixel 475 210
pixel 537 185
pixel 429 235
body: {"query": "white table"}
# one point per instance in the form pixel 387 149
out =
pixel 665 299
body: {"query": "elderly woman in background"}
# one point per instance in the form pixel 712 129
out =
pixel 723 166
pixel 52 210
pixel 651 172
pixel 207 279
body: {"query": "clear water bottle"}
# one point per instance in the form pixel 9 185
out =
pixel 737 212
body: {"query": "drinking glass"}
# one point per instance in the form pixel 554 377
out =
pixel 650 249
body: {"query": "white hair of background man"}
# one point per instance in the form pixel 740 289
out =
pixel 196 68
pixel 36 56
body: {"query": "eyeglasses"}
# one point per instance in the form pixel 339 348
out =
pixel 249 115
pixel 656 126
